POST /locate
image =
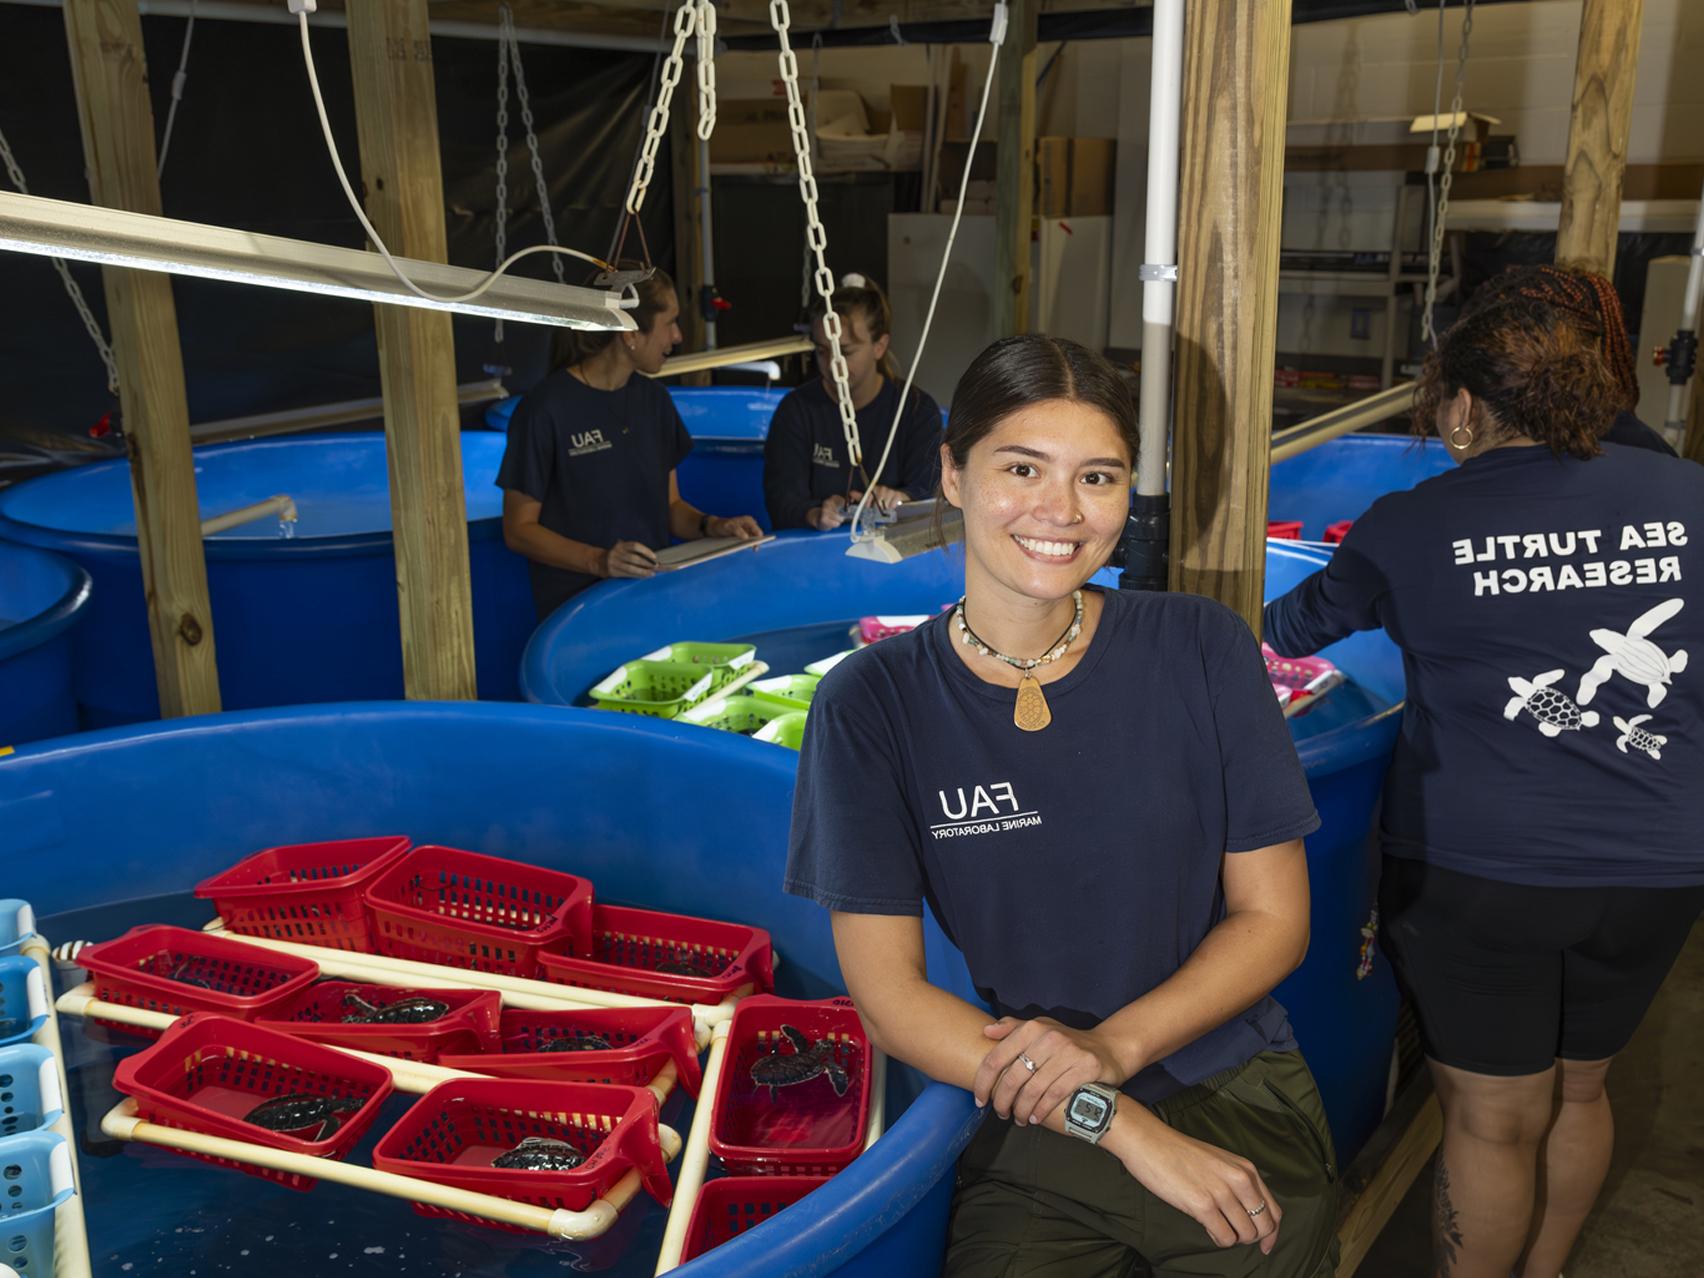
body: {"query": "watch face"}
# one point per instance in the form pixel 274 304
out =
pixel 1088 1110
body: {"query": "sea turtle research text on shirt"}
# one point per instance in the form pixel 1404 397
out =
pixel 1578 559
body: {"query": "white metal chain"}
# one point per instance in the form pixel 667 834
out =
pixel 72 291
pixel 686 21
pixel 815 235
pixel 706 69
pixel 1435 250
pixel 506 29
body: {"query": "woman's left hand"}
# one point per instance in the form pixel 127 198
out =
pixel 885 499
pixel 742 526
pixel 1064 1060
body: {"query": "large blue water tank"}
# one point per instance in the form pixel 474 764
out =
pixel 43 597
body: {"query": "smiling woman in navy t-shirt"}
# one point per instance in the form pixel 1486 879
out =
pixel 1543 819
pixel 1097 796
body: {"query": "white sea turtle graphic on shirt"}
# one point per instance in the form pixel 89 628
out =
pixel 1550 706
pixel 1635 657
pixel 1633 735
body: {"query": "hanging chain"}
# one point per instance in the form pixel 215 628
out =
pixel 506 29
pixel 815 235
pixel 686 20
pixel 501 222
pixel 706 69
pixel 71 289
pixel 816 93
pixel 1435 250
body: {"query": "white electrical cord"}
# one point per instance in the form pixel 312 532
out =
pixel 178 81
pixel 996 37
pixel 372 234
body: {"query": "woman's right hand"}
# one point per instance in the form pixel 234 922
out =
pixel 1217 1188
pixel 630 559
pixel 828 516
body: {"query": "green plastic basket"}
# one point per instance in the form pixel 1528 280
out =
pixel 820 668
pixel 723 660
pixel 788 730
pixel 741 713
pixel 661 689
pixel 795 691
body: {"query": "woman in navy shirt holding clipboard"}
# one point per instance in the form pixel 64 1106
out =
pixel 1097 795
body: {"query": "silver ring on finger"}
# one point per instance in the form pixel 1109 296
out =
pixel 1027 1063
pixel 1255 1211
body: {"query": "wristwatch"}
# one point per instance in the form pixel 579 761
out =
pixel 703 524
pixel 1089 1111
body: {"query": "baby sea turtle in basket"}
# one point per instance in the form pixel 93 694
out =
pixel 685 967
pixel 540 1153
pixel 416 1009
pixel 575 1041
pixel 299 1111
pixel 806 1061
pixel 184 973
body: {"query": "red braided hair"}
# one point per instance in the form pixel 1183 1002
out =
pixel 1587 298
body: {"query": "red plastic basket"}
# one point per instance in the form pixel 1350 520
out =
pixel 641 1040
pixel 464 909
pixel 1335 533
pixel 451 1135
pixel 175 970
pixel 207 1072
pixel 317 1013
pixel 631 947
pixel 309 893
pixel 727 1207
pixel 803 1128
pixel 1284 529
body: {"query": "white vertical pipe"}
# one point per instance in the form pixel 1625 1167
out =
pixel 1165 94
pixel 1675 426
pixel 707 236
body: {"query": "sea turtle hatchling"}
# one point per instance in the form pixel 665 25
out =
pixel 298 1111
pixel 414 1009
pixel 1555 713
pixel 775 1069
pixel 540 1153
pixel 575 1041
pixel 1639 738
pixel 684 967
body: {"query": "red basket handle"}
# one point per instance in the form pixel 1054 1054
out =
pixel 677 1037
pixel 638 1139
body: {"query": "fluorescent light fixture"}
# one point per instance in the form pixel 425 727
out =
pixel 142 242
pixel 900 541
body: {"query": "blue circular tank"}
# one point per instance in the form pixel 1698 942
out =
pixel 1340 478
pixel 42 598
pixel 311 617
pixel 804 584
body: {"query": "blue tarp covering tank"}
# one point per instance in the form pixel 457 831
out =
pixel 803 589
pixel 311 617
pixel 43 598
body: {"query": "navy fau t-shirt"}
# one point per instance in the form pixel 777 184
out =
pixel 599 463
pixel 1076 867
pixel 1550 613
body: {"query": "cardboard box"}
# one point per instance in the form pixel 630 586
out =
pixel 751 131
pixel 1092 166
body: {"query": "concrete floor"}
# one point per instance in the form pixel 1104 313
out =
pixel 1649 1220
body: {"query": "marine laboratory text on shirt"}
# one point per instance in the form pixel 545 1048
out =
pixel 1640 569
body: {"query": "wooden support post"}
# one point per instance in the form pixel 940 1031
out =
pixel 1598 128
pixel 1235 86
pixel 111 78
pixel 689 182
pixel 1015 172
pixel 390 53
pixel 1692 443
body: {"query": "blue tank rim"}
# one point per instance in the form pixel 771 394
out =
pixel 118 547
pixel 57 617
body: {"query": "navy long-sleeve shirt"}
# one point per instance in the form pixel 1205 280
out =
pixel 1550 614
pixel 805 461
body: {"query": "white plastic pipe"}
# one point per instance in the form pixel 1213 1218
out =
pixel 1675 426
pixel 281 505
pixel 695 1156
pixel 1159 295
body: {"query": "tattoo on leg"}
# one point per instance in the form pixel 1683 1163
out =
pixel 1446 1230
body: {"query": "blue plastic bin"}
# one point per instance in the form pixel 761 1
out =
pixel 17 925
pixel 29 1089
pixel 23 1000
pixel 35 1173
pixel 43 599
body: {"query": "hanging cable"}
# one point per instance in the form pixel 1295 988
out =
pixel 996 37
pixel 178 81
pixel 1435 250
pixel 102 346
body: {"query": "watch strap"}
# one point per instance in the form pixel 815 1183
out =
pixel 1081 1132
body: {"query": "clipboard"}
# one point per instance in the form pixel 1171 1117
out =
pixel 688 554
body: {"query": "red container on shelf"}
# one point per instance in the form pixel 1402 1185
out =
pixel 729 1206
pixel 470 1024
pixel 1284 529
pixel 454 1132
pixel 641 1041
pixel 176 971
pixel 208 1073
pixel 309 893
pixel 1335 533
pixel 771 1117
pixel 465 909
pixel 633 951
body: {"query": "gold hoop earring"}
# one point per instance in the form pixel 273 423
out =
pixel 1461 445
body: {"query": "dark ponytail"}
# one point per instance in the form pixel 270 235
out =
pixel 571 346
pixel 860 295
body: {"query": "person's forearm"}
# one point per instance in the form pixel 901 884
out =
pixel 539 544
pixel 686 521
pixel 1236 964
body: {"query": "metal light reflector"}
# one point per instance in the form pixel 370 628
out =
pixel 142 242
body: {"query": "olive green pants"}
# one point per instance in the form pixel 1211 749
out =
pixel 1033 1202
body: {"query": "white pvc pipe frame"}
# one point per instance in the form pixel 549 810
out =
pixel 1675 426
pixel 1159 296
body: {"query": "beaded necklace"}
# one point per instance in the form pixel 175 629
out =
pixel 1030 713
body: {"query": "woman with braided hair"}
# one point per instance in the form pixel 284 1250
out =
pixel 1594 308
pixel 1541 816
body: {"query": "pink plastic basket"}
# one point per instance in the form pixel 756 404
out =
pixel 318 1012
pixel 727 1207
pixel 640 1041
pixel 1298 680
pixel 309 893
pixel 1335 533
pixel 1284 529
pixel 176 971
pixel 672 956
